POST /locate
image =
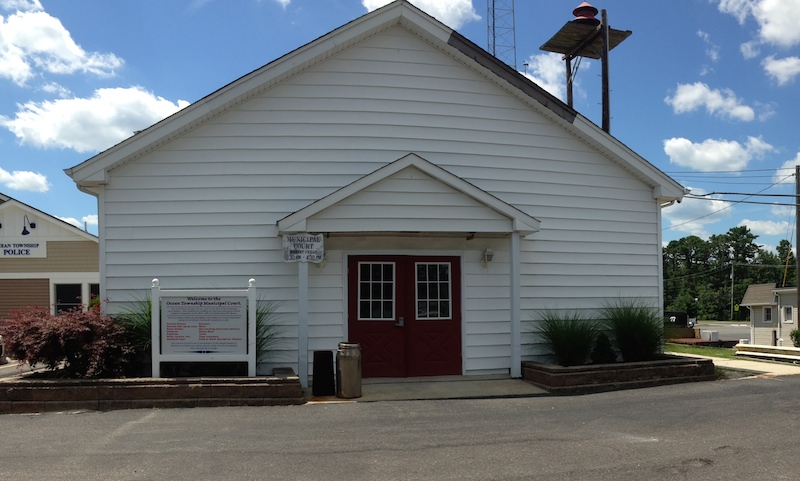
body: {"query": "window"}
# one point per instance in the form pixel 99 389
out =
pixel 68 296
pixel 434 292
pixel 767 314
pixel 787 314
pixel 376 290
pixel 94 295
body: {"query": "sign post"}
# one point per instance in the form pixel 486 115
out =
pixel 303 248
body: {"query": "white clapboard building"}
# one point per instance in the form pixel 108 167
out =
pixel 455 199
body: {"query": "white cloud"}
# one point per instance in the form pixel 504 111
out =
pixel 24 180
pixel 766 110
pixel 782 211
pixel 721 102
pixel 85 221
pixel 712 49
pixel 738 8
pixel 750 49
pixel 547 70
pixel 284 3
pixel 777 25
pixel 89 124
pixel 783 70
pixel 33 41
pixel 453 13
pixel 56 89
pixel 715 155
pixel 785 173
pixel 766 227
pixel 692 216
pixel 21 5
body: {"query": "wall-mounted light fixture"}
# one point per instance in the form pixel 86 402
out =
pixel 487 257
pixel 27 223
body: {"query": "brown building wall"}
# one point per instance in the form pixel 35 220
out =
pixel 62 256
pixel 23 293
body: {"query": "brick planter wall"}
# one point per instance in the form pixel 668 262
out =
pixel 611 377
pixel 42 395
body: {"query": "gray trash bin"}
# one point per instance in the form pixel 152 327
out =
pixel 348 370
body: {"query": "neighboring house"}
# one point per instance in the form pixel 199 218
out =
pixel 45 261
pixel 773 314
pixel 456 198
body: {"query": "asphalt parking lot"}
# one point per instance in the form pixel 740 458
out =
pixel 736 429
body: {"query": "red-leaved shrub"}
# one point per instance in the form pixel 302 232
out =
pixel 81 343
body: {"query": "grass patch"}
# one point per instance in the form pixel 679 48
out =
pixel 721 352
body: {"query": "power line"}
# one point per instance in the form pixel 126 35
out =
pixel 694 172
pixel 779 204
pixel 745 194
pixel 733 203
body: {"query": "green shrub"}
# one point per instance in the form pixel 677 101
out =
pixel 795 335
pixel 637 329
pixel 77 343
pixel 603 352
pixel 569 338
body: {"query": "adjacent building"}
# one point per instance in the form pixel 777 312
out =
pixel 45 261
pixel 773 314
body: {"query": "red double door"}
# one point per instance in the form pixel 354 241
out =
pixel 405 311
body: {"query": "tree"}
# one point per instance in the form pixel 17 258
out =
pixel 706 278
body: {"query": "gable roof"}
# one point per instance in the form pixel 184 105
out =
pixel 759 295
pixel 8 203
pixel 94 171
pixel 519 221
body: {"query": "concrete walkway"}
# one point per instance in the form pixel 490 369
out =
pixel 500 386
pixel 442 387
pixel 757 367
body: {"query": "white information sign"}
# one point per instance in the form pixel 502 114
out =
pixel 303 248
pixel 204 325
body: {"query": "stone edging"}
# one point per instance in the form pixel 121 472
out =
pixel 43 395
pixel 612 377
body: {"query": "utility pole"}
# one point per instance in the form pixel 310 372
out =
pixel 732 263
pixel 797 233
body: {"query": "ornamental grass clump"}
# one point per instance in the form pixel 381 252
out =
pixel 269 334
pixel 568 337
pixel 637 330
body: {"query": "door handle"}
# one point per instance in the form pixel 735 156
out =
pixel 401 322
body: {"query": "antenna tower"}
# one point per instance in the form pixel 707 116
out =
pixel 502 38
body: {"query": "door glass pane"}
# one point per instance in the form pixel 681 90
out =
pixel 364 272
pixel 434 291
pixel 376 298
pixel 433 272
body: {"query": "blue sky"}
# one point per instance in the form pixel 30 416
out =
pixel 706 90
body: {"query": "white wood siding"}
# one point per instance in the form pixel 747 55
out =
pixel 410 201
pixel 201 210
